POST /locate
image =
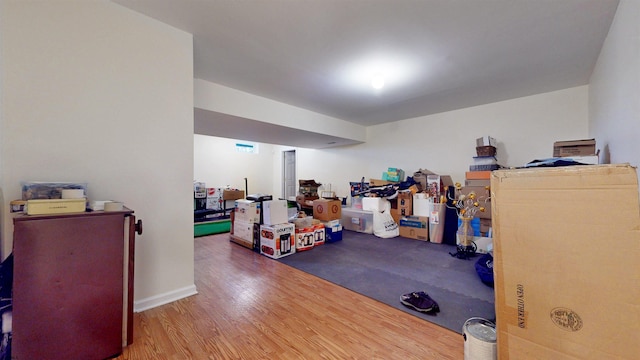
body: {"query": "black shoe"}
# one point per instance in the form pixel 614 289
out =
pixel 420 301
pixel 423 294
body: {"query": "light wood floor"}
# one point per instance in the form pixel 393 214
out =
pixel 251 307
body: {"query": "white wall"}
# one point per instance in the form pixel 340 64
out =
pixel 525 128
pixel 218 98
pixel 614 99
pixel 94 92
pixel 218 164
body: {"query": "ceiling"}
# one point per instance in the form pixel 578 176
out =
pixel 435 55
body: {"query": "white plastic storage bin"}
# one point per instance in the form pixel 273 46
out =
pixel 357 220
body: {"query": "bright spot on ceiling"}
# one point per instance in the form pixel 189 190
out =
pixel 377 82
pixel 378 72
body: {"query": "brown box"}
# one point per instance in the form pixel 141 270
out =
pixel 414 227
pixel 485 225
pixel 414 233
pixel 484 199
pixel 396 216
pixel 566 249
pixel 478 175
pixel 327 209
pixel 404 204
pixel 420 177
pixel 574 148
pixel 480 182
pixel 232 194
pixel 378 182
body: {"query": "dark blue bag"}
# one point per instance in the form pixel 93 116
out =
pixel 484 268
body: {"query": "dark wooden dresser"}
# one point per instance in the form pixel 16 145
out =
pixel 73 285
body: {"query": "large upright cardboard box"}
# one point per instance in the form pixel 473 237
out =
pixel 567 262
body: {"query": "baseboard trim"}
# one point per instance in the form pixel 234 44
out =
pixel 162 299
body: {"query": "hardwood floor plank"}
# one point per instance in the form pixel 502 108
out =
pixel 251 307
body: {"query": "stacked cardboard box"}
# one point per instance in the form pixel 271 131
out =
pixel 584 147
pixel 393 174
pixel 277 235
pixel 246 220
pixel 414 227
pixel 333 230
pixel 277 240
pixel 485 160
pixel 309 232
pixel 582 151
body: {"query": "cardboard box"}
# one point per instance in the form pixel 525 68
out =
pixel 478 182
pixel 485 226
pixel 327 209
pixel 333 233
pixel 393 175
pixel 247 210
pixel 396 216
pixel 305 238
pixel 587 160
pixel 228 194
pixel 277 241
pixel 198 186
pixel 414 227
pixel 318 234
pixel 240 241
pixel 566 249
pixel 214 204
pixel 56 206
pixel 308 188
pixel 17 205
pixel 380 182
pixel 422 204
pixel 374 203
pixel 404 203
pixel 243 230
pixel 574 148
pixel 214 192
pixel 478 175
pixel 420 177
pixel 248 234
pixel 274 212
pixel 214 199
pixel 486 141
pixel 357 220
pixel 433 185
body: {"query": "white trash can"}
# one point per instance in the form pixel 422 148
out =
pixel 479 339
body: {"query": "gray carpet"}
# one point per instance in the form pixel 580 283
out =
pixel 384 269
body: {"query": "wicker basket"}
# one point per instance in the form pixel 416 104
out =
pixel 486 150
